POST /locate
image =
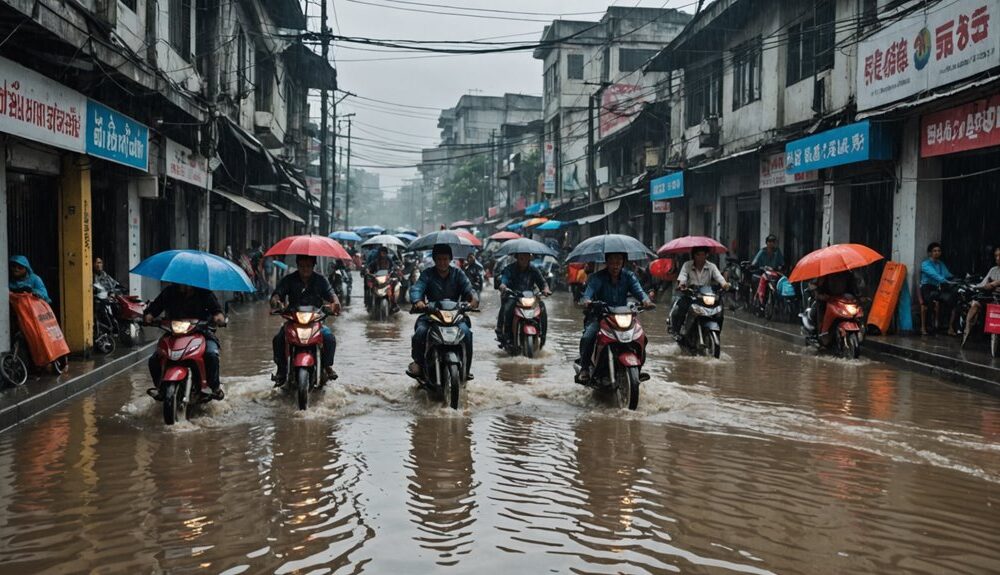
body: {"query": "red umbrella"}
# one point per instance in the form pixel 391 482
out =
pixel 309 246
pixel 663 269
pixel 833 259
pixel 461 224
pixel 503 236
pixel 687 243
pixel 468 235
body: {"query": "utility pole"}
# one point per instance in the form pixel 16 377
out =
pixel 347 200
pixel 325 146
pixel 595 99
pixel 210 137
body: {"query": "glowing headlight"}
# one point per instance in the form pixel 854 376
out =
pixel 447 316
pixel 382 279
pixel 180 327
pixel 709 300
pixel 527 302
pixel 381 291
pixel 304 317
pixel 851 308
pixel 623 320
pixel 304 333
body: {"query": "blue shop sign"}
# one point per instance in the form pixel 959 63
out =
pixel 849 144
pixel 116 137
pixel 535 209
pixel 667 187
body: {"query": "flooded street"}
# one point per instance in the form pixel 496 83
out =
pixel 770 460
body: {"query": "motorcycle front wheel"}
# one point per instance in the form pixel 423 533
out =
pixel 713 347
pixel 171 403
pixel 302 377
pixel 852 346
pixel 452 387
pixel 627 388
pixel 530 346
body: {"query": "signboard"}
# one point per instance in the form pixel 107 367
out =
pixel 550 168
pixel 492 211
pixel 184 166
pixel 848 144
pixel 992 318
pixel 116 137
pixel 620 104
pixel 667 187
pixel 661 206
pixel 773 173
pixel 947 42
pixel 968 127
pixel 39 109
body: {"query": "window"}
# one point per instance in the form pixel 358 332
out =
pixel 630 60
pixel 264 76
pixel 574 65
pixel 811 44
pixel 552 79
pixel 746 73
pixel 180 27
pixel 704 93
pixel 130 4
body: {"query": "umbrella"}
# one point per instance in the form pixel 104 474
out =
pixel 515 226
pixel 833 259
pixel 534 222
pixel 345 236
pixel 460 246
pixel 468 235
pixel 384 240
pixel 593 249
pixel 194 268
pixel 407 231
pixel 407 238
pixel 461 224
pixel 687 243
pixel 365 230
pixel 662 269
pixel 309 246
pixel 504 236
pixel 525 246
pixel 551 225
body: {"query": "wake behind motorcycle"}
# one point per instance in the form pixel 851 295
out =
pixel 303 350
pixel 619 354
pixel 446 367
pixel 527 325
pixel 701 332
pixel 183 381
pixel 841 330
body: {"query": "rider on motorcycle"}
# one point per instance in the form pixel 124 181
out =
pixel 441 282
pixel 612 285
pixel 695 273
pixel 103 278
pixel 990 283
pixel 180 301
pixel 516 278
pixel 769 256
pixel 304 288
pixel 827 287
pixel 380 260
pixel 475 271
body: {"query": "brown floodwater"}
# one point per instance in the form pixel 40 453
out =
pixel 770 460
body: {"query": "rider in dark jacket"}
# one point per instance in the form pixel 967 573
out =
pixel 516 278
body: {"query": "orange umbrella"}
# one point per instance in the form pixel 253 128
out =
pixel 504 236
pixel 535 222
pixel 833 259
pixel 468 235
pixel 309 245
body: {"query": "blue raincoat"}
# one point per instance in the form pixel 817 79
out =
pixel 30 282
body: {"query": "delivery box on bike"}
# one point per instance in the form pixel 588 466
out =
pixel 40 328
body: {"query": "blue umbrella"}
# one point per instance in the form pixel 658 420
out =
pixel 345 236
pixel 194 268
pixel 593 249
pixel 525 246
pixel 515 226
pixel 551 225
pixel 369 230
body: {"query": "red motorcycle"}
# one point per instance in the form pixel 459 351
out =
pixel 382 286
pixel 765 298
pixel 303 350
pixel 619 354
pixel 183 383
pixel 129 310
pixel 527 326
pixel 841 329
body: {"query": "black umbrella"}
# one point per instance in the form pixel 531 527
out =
pixel 525 246
pixel 460 247
pixel 594 249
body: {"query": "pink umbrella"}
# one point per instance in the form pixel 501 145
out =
pixel 687 243
pixel 468 235
pixel 309 246
pixel 503 236
pixel 461 224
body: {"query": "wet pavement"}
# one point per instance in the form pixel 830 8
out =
pixel 770 460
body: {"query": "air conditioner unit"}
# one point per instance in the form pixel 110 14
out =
pixel 709 136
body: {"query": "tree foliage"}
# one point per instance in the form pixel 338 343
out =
pixel 466 190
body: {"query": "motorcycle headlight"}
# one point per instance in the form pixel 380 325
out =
pixel 304 333
pixel 381 291
pixel 623 320
pixel 304 317
pixel 708 300
pixel 446 317
pixel 180 327
pixel 381 280
pixel 851 308
pixel 527 302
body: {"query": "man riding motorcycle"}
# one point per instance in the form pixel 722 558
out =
pixel 441 282
pixel 825 288
pixel 475 272
pixel 612 285
pixel 519 276
pixel 380 260
pixel 180 301
pixel 695 273
pixel 304 287
pixel 769 256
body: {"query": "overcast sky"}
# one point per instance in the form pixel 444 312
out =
pixel 429 84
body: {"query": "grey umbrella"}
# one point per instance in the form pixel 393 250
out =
pixel 594 249
pixel 460 246
pixel 384 240
pixel 524 246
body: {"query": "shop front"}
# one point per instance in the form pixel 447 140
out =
pixel 666 195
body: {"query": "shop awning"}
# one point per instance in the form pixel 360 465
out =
pixel 310 68
pixel 289 214
pixel 726 158
pixel 590 219
pixel 247 204
pixel 506 223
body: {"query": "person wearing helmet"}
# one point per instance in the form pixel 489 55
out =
pixel 613 285
pixel 441 282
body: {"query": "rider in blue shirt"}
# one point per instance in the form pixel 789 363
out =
pixel 516 278
pixel 613 285
pixel 769 256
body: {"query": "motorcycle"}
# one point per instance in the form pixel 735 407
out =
pixel 340 281
pixel 183 383
pixel 841 329
pixel 445 364
pixel 619 354
pixel 701 333
pixel 526 325
pixel 303 350
pixel 383 286
pixel 129 310
pixel 765 301
pixel 105 321
pixel 968 292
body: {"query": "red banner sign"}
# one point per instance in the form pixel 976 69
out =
pixel 992 318
pixel 967 127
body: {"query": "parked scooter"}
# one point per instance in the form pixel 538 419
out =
pixel 303 350
pixel 383 286
pixel 841 330
pixel 445 365
pixel 527 326
pixel 619 354
pixel 105 323
pixel 183 383
pixel 967 292
pixel 129 311
pixel 701 333
pixel 765 300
